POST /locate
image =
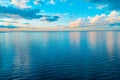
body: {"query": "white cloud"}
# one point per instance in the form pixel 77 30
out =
pixel 4 2
pixel 20 3
pixel 76 23
pixel 38 2
pixel 98 20
pixel 113 17
pixel 101 6
pixel 51 2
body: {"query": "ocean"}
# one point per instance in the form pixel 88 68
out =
pixel 87 55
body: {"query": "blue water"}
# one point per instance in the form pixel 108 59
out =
pixel 60 55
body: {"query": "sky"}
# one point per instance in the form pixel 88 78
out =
pixel 59 13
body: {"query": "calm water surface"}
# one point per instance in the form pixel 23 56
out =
pixel 60 55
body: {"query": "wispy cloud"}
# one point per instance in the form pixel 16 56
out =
pixel 21 3
pixel 112 4
pixel 39 2
pixel 101 6
pixel 52 2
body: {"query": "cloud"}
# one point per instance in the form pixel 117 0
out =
pixel 112 4
pixel 51 18
pixel 16 12
pixel 1 20
pixel 20 3
pixel 76 23
pixel 51 2
pixel 27 13
pixel 98 20
pixel 115 24
pixel 26 23
pixel 16 23
pixel 36 2
pixel 8 21
pixel 7 26
pixel 101 6
pixel 114 17
pixel 39 2
pixel 4 2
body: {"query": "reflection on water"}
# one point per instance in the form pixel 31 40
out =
pixel 74 37
pixel 74 41
pixel 110 44
pixel 92 38
pixel 52 55
pixel 21 59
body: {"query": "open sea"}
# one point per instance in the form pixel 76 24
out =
pixel 93 55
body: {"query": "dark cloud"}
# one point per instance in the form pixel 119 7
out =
pixel 13 12
pixel 27 23
pixel 10 26
pixel 51 18
pixel 112 4
pixel 115 24
pixel 1 20
pixel 24 13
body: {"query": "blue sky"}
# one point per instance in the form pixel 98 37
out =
pixel 59 13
